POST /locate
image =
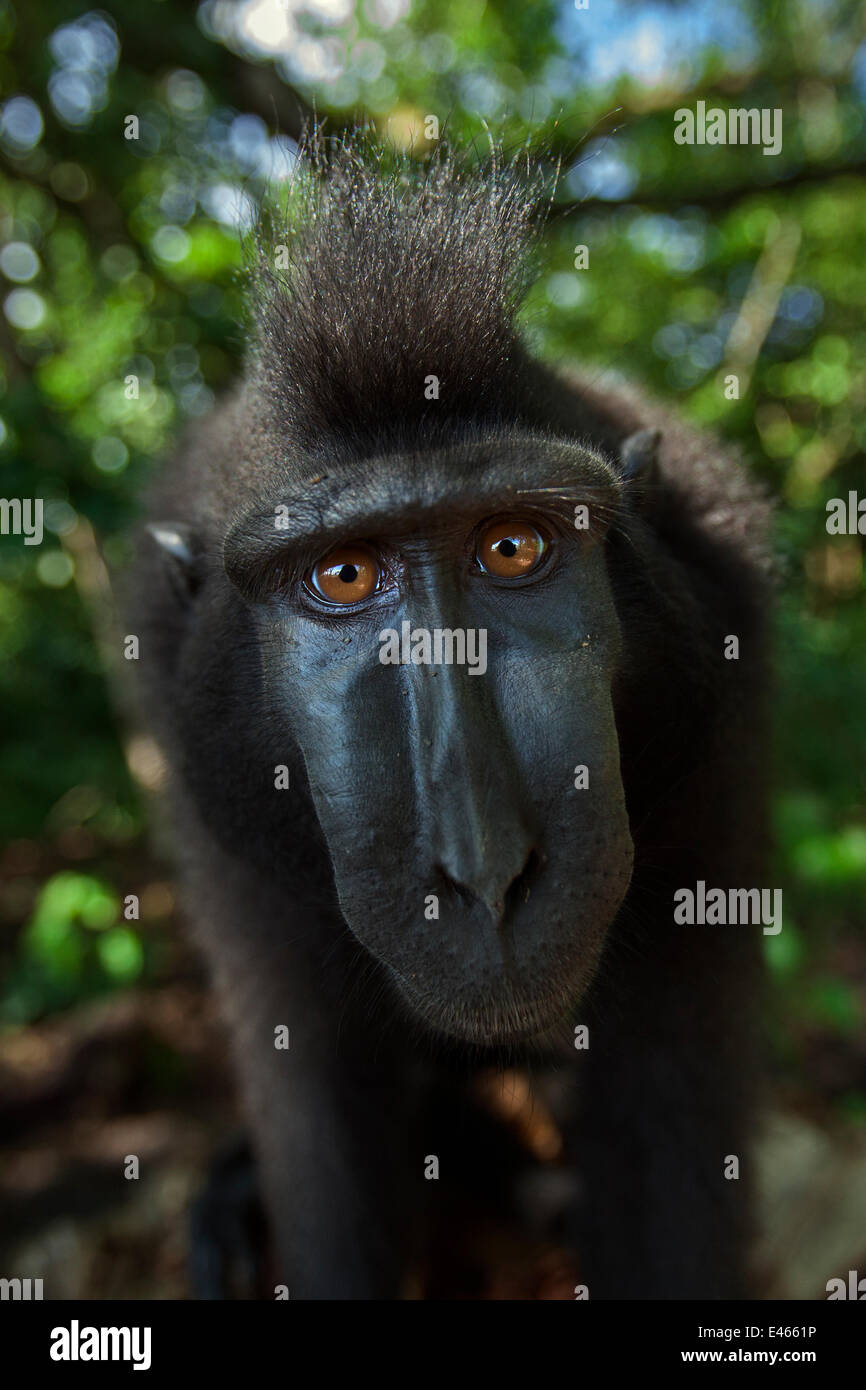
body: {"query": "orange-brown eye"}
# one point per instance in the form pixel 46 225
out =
pixel 510 549
pixel 347 574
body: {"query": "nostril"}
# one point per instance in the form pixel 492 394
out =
pixel 520 888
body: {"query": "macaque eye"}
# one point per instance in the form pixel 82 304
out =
pixel 510 548
pixel 347 574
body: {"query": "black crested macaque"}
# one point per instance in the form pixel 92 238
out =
pixel 437 642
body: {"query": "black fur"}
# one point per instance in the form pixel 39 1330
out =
pixel 394 277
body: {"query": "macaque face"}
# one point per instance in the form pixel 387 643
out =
pixel 444 657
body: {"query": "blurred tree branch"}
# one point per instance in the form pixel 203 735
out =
pixel 722 198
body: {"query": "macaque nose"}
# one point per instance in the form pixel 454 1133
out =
pixel 477 824
pixel 499 893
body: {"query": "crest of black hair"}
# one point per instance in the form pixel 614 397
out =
pixel 398 270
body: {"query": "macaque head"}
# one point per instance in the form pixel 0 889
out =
pixel 421 613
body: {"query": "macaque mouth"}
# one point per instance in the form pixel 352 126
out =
pixel 508 1016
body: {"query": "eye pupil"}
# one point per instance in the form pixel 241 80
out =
pixel 507 548
pixel 349 573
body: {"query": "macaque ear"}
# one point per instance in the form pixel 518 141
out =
pixel 639 461
pixel 179 549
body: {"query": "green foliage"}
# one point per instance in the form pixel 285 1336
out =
pixel 70 949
